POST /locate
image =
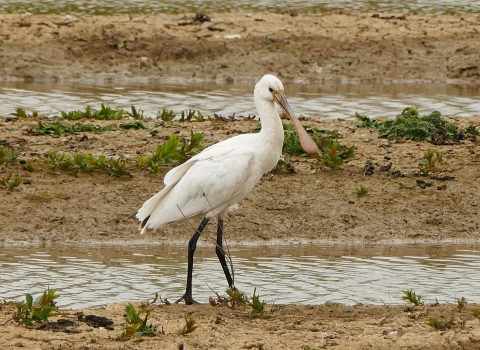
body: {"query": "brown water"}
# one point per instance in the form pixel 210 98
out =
pixel 87 276
pixel 326 101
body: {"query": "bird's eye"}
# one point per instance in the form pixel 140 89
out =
pixel 271 89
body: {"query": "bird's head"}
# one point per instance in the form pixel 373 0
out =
pixel 270 88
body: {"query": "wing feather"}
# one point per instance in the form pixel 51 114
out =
pixel 210 182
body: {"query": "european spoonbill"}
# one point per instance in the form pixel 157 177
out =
pixel 214 180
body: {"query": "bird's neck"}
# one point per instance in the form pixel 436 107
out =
pixel 271 124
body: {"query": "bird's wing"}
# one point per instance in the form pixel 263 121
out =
pixel 170 180
pixel 215 180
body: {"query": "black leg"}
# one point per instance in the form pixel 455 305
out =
pixel 192 245
pixel 221 253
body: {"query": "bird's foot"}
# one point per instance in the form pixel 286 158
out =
pixel 188 299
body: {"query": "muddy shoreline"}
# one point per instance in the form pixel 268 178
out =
pixel 303 49
pixel 315 204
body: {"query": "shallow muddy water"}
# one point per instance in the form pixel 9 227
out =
pixel 326 101
pixel 179 6
pixel 87 276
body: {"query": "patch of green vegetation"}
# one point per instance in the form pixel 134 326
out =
pixel 137 115
pixel 105 113
pixel 28 167
pixel 235 297
pixel 189 326
pixel 330 150
pixel 436 323
pixel 81 163
pixel 408 125
pixel 257 305
pixel 461 303
pixel 431 162
pixel 113 167
pixel 11 181
pixel 284 165
pixel 166 115
pixel 133 125
pixel 362 191
pixel 61 129
pixel 173 150
pixel 136 326
pixel 21 113
pixel 37 311
pixel 8 155
pixel 410 296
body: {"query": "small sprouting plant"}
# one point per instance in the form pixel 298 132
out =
pixel 8 155
pixel 189 326
pixel 437 324
pixel 21 113
pixel 235 297
pixel 137 115
pixel 11 181
pixel 114 167
pixel 166 116
pixel 331 156
pixel 431 162
pixel 461 303
pixel 136 326
pixel 284 165
pixel 256 304
pixel 133 125
pixel 28 167
pixel 56 161
pixel 362 191
pixel 410 296
pixel 37 311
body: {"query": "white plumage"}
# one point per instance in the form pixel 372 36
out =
pixel 216 179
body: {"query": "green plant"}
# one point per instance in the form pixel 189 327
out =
pixel 105 113
pixel 28 167
pixel 114 167
pixel 284 165
pixel 173 150
pixel 136 115
pixel 11 181
pixel 411 297
pixel 408 125
pixel 80 163
pixel 431 162
pixel 437 323
pixel 362 191
pixel 135 326
pixel 56 161
pixel 256 304
pixel 133 125
pixel 461 303
pixel 19 112
pixel 8 155
pixel 470 129
pixel 59 128
pixel 330 150
pixel 235 297
pixel 166 116
pixel 37 311
pixel 189 326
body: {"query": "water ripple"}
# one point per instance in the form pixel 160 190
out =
pixel 314 274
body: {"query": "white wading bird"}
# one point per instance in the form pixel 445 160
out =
pixel 208 184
